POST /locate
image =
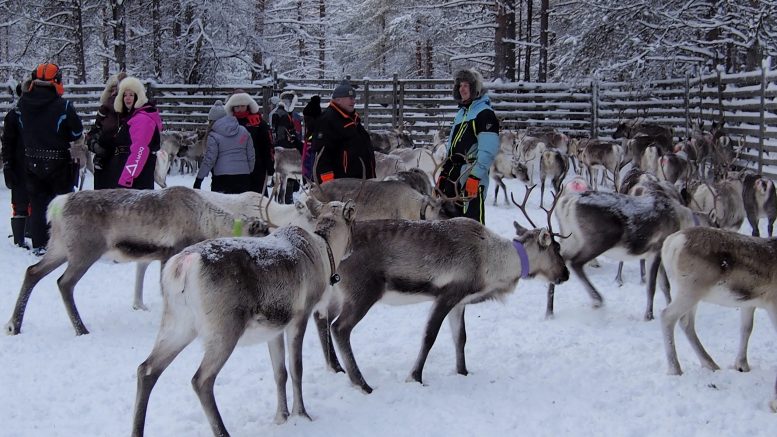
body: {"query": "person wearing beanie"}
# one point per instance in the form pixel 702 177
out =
pixel 472 146
pixel 341 142
pixel 229 154
pixel 101 138
pixel 14 171
pixel 310 115
pixel 138 137
pixel 49 124
pixel 286 125
pixel 243 107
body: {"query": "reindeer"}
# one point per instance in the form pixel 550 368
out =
pixel 722 201
pixel 288 163
pixel 639 128
pixel 388 140
pixel 507 166
pixel 673 167
pixel 553 165
pixel 491 268
pixel 594 153
pixel 760 200
pixel 384 199
pixel 722 267
pixel 125 225
pixel 618 225
pixel 421 158
pixel 276 283
pixel 387 165
pixel 528 149
pixel 416 178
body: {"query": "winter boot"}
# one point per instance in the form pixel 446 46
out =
pixel 17 227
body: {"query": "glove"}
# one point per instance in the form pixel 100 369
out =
pixel 197 183
pixel 471 187
pixel 326 177
pixel 9 176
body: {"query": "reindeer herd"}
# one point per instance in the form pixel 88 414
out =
pixel 345 245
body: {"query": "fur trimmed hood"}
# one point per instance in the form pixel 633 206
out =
pixel 238 99
pixel 289 100
pixel 136 86
pixel 475 80
pixel 113 81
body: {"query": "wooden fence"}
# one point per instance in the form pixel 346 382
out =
pixel 746 101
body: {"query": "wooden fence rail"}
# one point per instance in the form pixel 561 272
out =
pixel 746 101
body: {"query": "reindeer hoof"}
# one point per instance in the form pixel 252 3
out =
pixel 549 316
pixel 742 366
pixel 674 372
pixel 648 316
pixel 281 417
pixel 81 331
pixel 773 406
pixel 415 377
pixel 10 329
pixel 139 306
pixel 304 414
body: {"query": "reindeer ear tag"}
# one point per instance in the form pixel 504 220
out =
pixel 334 279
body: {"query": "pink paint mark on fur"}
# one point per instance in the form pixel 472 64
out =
pixel 577 185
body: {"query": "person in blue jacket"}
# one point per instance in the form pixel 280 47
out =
pixel 472 147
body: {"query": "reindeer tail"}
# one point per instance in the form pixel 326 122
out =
pixel 176 270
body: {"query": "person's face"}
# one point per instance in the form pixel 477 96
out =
pixel 240 108
pixel 129 99
pixel 464 91
pixel 345 103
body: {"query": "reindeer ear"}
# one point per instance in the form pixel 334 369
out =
pixel 544 239
pixel 349 211
pixel 520 230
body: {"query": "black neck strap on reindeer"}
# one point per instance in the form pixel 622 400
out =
pixel 524 258
pixel 334 278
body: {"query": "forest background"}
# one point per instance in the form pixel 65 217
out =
pixel 228 41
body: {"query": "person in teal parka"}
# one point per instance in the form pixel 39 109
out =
pixel 472 146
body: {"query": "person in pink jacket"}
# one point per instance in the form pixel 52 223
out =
pixel 138 137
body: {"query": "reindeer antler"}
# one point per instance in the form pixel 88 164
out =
pixel 522 205
pixel 549 212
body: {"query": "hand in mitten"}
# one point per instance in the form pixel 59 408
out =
pixel 197 183
pixel 471 187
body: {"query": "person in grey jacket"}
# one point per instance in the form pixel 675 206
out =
pixel 229 154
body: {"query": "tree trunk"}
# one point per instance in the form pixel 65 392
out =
pixel 510 36
pixel 118 16
pixel 322 39
pixel 527 61
pixel 257 57
pixel 429 71
pixel 500 47
pixel 78 42
pixel 156 40
pixel 542 75
pixel 519 37
pixel 300 39
pixel 419 51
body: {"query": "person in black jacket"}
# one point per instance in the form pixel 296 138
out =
pixel 341 141
pixel 246 110
pixel 49 123
pixel 310 115
pixel 14 172
pixel 286 125
pixel 102 137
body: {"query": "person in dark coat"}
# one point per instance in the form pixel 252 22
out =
pixel 229 154
pixel 286 125
pixel 246 110
pixel 101 138
pixel 341 141
pixel 14 171
pixel 138 137
pixel 49 123
pixel 310 115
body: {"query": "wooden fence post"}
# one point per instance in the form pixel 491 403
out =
pixel 762 130
pixel 687 106
pixel 401 115
pixel 366 112
pixel 595 107
pixel 720 99
pixel 395 100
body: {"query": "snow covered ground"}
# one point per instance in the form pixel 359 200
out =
pixel 588 372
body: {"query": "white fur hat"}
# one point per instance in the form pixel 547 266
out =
pixel 113 81
pixel 238 99
pixel 136 86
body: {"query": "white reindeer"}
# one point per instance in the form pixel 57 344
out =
pixel 276 282
pixel 723 267
pixel 124 225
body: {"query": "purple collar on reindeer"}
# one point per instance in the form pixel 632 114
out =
pixel 524 258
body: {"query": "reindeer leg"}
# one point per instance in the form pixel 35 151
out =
pixel 140 274
pixel 642 269
pixel 353 310
pixel 277 350
pixel 459 332
pixel 218 347
pixel 549 307
pixel 173 337
pixel 651 286
pixel 296 333
pixel 688 323
pixel 325 336
pixel 589 287
pixel 32 276
pixel 752 218
pixel 67 282
pixel 619 275
pixel 440 309
pixel 665 287
pixel 746 316
pixel 542 188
